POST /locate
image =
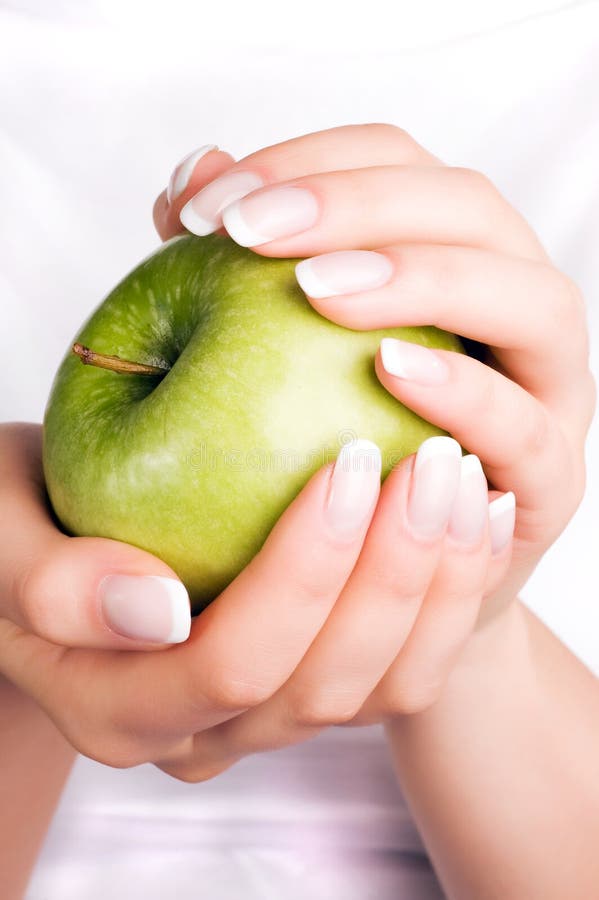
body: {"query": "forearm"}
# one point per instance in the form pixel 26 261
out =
pixel 35 760
pixel 502 774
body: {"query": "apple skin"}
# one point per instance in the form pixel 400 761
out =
pixel 196 467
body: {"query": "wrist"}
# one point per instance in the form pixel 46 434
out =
pixel 500 633
pixel 35 760
pixel 496 660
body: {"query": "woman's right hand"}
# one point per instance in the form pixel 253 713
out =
pixel 308 628
pixel 121 706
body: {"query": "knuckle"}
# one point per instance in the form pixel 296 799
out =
pixel 312 585
pixel 110 749
pixel 388 130
pixel 475 181
pixel 196 773
pixel 568 307
pixel 35 592
pixel 316 576
pixel 591 398
pixel 321 709
pixel 575 301
pixel 229 691
pixel 536 435
pixel 484 396
pixel 577 493
pixel 394 578
pixel 410 696
pixel 311 575
pixel 577 485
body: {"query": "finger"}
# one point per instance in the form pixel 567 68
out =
pixel 296 578
pixel 346 147
pixel 78 592
pixel 520 308
pixel 491 416
pixel 242 647
pixel 447 619
pixel 369 623
pixel 189 175
pixel 417 204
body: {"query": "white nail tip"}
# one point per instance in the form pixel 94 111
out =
pixel 471 465
pixel 309 282
pixel 180 611
pixel 391 359
pixel 502 519
pixel 183 171
pixel 438 446
pixel 501 505
pixel 195 223
pixel 238 228
pixel 360 453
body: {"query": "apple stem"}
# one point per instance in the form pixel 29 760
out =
pixel 115 363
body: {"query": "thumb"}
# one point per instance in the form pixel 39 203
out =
pixel 76 591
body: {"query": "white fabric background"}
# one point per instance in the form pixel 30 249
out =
pixel 98 101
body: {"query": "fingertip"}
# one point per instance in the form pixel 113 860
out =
pixel 160 215
pixel 181 174
pixel 189 176
pixel 502 521
pixel 307 278
pixel 147 608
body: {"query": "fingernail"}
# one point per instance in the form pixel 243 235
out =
pixel 343 272
pixel 470 508
pixel 354 486
pixel 502 519
pixel 413 362
pixel 274 213
pixel 146 607
pixel 183 170
pixel 435 481
pixel 202 214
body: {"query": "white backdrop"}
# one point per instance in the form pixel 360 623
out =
pixel 98 100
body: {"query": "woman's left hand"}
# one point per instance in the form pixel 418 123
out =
pixel 395 238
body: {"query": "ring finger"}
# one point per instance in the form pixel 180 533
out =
pixel 375 206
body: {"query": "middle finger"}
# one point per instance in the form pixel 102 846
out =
pixel 375 206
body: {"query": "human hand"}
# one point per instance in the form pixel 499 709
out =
pixel 301 637
pixel 443 248
pixel 76 592
pixel 469 264
pixel 247 687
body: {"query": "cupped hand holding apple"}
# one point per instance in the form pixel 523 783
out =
pixel 299 639
pixel 323 627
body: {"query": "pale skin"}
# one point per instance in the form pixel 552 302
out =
pixel 492 723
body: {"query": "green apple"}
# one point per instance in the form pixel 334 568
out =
pixel 242 391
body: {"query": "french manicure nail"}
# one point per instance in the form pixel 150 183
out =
pixel 502 519
pixel 183 171
pixel 146 607
pixel 413 362
pixel 343 272
pixel 354 487
pixel 435 481
pixel 470 508
pixel 202 214
pixel 274 213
